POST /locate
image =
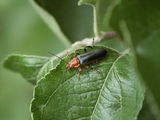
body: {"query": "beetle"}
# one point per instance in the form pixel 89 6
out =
pixel 86 58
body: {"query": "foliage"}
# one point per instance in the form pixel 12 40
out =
pixel 118 91
pixel 108 94
pixel 28 66
pixel 21 31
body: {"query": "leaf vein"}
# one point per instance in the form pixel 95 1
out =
pixel 111 68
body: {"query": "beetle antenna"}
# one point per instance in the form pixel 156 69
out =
pixel 93 42
pixel 55 55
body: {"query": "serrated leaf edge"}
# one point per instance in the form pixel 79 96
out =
pixel 123 54
pixel 20 55
pixel 37 86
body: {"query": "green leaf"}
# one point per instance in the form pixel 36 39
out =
pixel 102 12
pixel 51 64
pixel 52 24
pixel 114 43
pixel 74 22
pixel 137 21
pixel 113 93
pixel 28 66
pixel 87 2
pixel 147 112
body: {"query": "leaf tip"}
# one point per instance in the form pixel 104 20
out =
pixel 6 61
pixel 86 2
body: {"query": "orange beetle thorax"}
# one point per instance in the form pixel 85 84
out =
pixel 73 63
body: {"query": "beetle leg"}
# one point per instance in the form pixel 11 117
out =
pixel 93 42
pixel 78 75
pixel 98 71
pixel 69 55
pixel 94 62
pixel 86 66
pixel 79 70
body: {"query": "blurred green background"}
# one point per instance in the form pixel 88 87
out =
pixel 21 31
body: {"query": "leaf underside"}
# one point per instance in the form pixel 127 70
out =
pixel 113 93
pixel 137 21
pixel 27 65
pixel 74 22
pixel 138 24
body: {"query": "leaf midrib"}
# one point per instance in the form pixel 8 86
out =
pixel 111 68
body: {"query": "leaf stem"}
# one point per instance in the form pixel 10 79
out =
pixel 87 42
pixel 95 23
pixel 52 23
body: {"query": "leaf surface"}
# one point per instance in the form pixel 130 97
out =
pixel 137 21
pixel 102 12
pixel 27 65
pixel 74 21
pixel 49 65
pixel 113 93
pixel 147 112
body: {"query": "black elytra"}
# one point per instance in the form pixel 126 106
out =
pixel 91 56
